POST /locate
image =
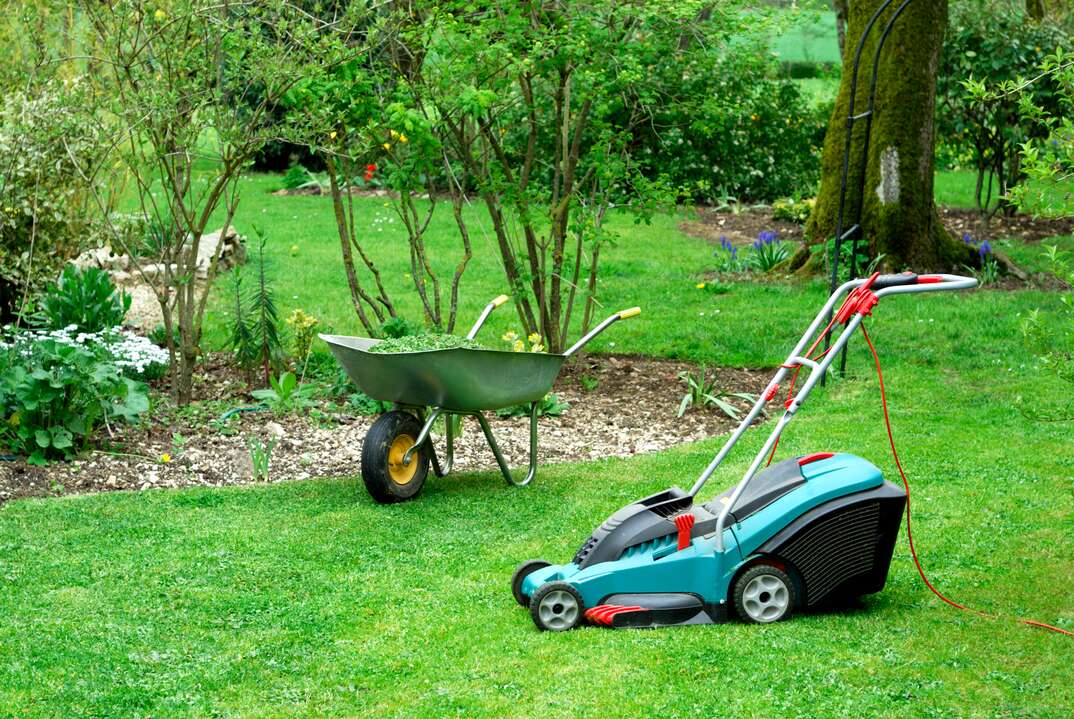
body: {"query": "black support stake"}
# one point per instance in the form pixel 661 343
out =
pixel 854 232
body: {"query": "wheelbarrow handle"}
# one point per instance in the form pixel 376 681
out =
pixel 485 315
pixel 621 315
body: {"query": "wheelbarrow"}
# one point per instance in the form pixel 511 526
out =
pixel 426 385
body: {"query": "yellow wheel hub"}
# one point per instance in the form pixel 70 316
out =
pixel 399 472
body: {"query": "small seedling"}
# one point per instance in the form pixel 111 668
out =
pixel 588 383
pixel 261 456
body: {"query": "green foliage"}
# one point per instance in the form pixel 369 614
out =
pixel 285 395
pixel 790 210
pixel 86 299
pixel 424 343
pixel 549 406
pixel 396 327
pixel 56 392
pixel 361 403
pixel 1048 159
pixel 49 144
pixel 991 43
pixel 703 390
pixel 851 267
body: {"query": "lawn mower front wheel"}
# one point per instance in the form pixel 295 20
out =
pixel 524 570
pixel 386 477
pixel 556 607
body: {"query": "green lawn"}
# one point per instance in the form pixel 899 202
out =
pixel 306 599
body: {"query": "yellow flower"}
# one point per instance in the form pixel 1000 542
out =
pixel 755 117
pixel 700 285
pixel 332 135
pixel 387 145
pixel 294 250
pixel 509 337
pixel 393 133
pixel 519 346
pixel 402 138
pixel 535 338
pixel 159 15
pixel 165 458
pixel 537 348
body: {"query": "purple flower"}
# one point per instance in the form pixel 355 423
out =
pixel 967 239
pixel 734 252
pixel 725 243
pixel 767 237
pixel 984 249
pixel 758 243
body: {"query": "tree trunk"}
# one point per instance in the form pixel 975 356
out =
pixel 840 8
pixel 1035 9
pixel 899 218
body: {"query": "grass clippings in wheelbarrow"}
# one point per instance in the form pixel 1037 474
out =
pixel 424 343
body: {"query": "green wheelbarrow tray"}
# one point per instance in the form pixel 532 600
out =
pixel 425 385
pixel 455 380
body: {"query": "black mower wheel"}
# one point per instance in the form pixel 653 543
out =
pixel 764 594
pixel 386 478
pixel 556 607
pixel 524 570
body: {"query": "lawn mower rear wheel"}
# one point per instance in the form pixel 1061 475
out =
pixel 764 594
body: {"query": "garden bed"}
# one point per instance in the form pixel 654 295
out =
pixel 631 408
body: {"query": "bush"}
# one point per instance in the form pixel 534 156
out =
pixel 55 391
pixel 47 145
pixel 85 299
pixel 991 42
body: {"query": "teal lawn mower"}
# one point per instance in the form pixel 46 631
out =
pixel 804 531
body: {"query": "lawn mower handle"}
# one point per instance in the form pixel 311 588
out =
pixel 861 299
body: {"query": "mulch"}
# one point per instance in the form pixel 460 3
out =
pixel 630 409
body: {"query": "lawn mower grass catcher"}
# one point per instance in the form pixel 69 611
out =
pixel 806 530
pixel 429 384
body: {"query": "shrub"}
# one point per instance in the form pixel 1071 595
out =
pixel 47 144
pixel 86 299
pixel 55 392
pixel 991 42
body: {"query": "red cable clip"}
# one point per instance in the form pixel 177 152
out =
pixel 685 523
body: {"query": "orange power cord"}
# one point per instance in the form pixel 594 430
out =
pixel 909 534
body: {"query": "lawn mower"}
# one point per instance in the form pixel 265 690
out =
pixel 804 531
pixel 426 385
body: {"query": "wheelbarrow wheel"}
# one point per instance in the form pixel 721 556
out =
pixel 386 477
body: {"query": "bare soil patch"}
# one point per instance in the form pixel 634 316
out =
pixel 630 410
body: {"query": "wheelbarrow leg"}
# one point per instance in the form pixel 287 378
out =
pixel 499 455
pixel 423 437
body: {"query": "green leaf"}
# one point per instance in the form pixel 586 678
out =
pixel 42 438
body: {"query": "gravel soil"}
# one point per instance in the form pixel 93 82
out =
pixel 631 408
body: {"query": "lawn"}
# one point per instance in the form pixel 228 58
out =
pixel 306 599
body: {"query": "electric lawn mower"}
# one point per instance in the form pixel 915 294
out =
pixel 806 530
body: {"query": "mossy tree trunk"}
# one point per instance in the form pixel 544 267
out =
pixel 899 218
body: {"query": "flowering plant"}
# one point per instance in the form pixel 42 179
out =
pixel 768 251
pixel 727 259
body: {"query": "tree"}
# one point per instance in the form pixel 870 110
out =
pixel 899 218
pixel 178 84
